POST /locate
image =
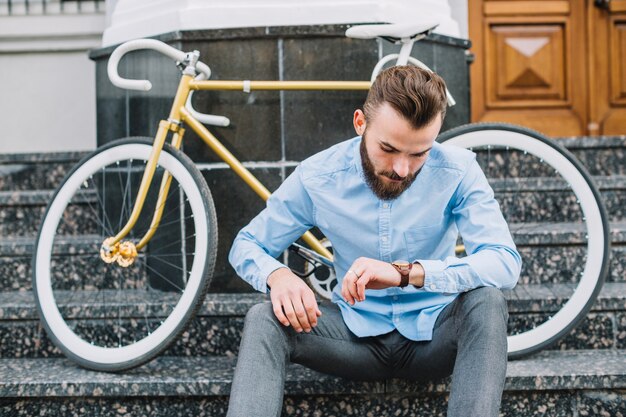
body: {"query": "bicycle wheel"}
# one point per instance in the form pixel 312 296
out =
pixel 110 317
pixel 324 279
pixel 558 222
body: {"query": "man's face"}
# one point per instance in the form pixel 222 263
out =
pixel 392 151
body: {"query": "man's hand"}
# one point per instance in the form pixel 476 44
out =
pixel 366 273
pixel 293 301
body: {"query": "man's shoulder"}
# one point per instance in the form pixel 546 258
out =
pixel 339 157
pixel 450 157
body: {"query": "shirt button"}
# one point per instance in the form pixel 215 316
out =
pixel 395 298
pixel 386 205
pixel 384 238
pixel 433 287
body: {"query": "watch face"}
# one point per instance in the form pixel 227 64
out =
pixel 401 265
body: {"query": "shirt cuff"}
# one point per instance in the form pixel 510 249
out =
pixel 266 267
pixel 434 277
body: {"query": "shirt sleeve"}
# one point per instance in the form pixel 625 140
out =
pixel 492 259
pixel 288 214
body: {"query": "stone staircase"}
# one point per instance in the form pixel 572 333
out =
pixel 583 375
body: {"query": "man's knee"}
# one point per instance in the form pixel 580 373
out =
pixel 485 305
pixel 260 315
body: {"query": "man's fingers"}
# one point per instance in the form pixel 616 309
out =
pixel 360 286
pixel 310 305
pixel 278 312
pixel 352 289
pixel 301 315
pixel 291 314
pixel 348 282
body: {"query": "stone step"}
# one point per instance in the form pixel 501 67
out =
pixel 551 201
pixel 604 156
pixel 21 212
pixel 16 257
pixel 217 328
pixel 601 155
pixel 550 383
pixel 35 171
pixel 551 254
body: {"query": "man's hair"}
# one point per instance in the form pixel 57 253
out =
pixel 417 94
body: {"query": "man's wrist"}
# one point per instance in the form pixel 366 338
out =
pixel 417 275
pixel 273 276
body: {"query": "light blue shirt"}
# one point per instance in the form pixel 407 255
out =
pixel 450 195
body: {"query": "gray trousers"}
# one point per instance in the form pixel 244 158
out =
pixel 469 343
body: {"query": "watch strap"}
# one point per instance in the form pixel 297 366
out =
pixel 404 269
pixel 404 279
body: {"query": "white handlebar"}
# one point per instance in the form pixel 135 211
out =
pixel 145 85
pixel 120 51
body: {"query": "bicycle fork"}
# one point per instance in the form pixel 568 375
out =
pixel 124 252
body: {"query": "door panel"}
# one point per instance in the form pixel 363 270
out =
pixel 609 72
pixel 607 69
pixel 528 63
pixel 555 66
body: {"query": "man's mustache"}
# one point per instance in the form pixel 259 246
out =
pixel 393 175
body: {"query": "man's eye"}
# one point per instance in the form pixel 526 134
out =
pixel 387 150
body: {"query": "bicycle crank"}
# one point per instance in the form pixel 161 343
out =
pixel 124 253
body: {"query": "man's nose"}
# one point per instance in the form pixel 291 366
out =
pixel 401 166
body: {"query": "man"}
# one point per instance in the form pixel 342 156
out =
pixel 389 196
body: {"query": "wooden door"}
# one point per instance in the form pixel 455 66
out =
pixel 555 66
pixel 607 72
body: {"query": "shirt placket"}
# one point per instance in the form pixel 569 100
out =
pixel 385 255
pixel 384 230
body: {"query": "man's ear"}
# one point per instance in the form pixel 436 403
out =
pixel 359 122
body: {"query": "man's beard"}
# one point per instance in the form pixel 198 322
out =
pixel 383 190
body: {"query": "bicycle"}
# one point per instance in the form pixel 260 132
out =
pixel 151 272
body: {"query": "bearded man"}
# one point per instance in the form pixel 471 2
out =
pixel 392 201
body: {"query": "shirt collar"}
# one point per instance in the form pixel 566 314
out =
pixel 357 156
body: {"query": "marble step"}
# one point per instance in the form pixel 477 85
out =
pixel 546 199
pixel 551 383
pixel 35 171
pixel 602 155
pixel 551 254
pixel 16 257
pixel 217 328
pixel 605 155
pixel 21 212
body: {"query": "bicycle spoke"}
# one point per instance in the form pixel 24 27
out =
pixel 164 277
pixel 175 242
pixel 165 215
pixel 158 258
pixel 97 215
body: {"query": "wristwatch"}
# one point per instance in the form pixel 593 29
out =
pixel 404 268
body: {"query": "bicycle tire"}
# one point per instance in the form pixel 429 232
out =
pixel 542 156
pixel 168 284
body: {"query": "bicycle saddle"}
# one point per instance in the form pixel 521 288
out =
pixel 393 31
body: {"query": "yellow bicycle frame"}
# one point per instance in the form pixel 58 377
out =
pixel 179 115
